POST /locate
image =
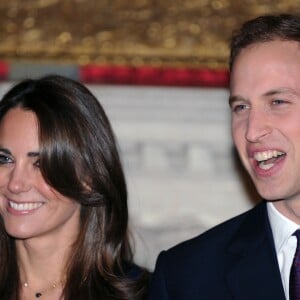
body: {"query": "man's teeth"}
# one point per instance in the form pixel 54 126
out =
pixel 264 166
pixel 265 155
pixel 24 206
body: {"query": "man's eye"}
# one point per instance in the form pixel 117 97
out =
pixel 278 101
pixel 240 107
pixel 4 159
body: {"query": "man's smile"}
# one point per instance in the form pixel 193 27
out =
pixel 267 159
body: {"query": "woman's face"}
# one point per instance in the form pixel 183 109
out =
pixel 29 207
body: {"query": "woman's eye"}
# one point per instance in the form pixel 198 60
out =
pixel 37 163
pixel 4 159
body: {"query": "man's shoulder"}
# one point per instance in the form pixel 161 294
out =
pixel 205 258
pixel 213 239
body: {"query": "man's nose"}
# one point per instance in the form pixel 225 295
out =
pixel 258 125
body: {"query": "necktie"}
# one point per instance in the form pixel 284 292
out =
pixel 295 271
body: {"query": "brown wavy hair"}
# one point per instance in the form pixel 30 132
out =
pixel 79 158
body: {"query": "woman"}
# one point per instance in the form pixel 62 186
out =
pixel 63 199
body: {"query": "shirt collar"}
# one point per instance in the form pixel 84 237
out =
pixel 282 227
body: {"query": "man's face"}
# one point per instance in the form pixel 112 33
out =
pixel 265 102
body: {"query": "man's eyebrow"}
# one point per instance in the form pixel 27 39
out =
pixel 279 91
pixel 273 92
pixel 233 99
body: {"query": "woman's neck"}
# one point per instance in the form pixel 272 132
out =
pixel 42 266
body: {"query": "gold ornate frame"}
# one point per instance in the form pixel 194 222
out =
pixel 172 33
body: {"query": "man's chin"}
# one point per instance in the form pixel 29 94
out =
pixel 270 196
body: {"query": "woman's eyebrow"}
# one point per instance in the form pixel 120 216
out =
pixel 33 154
pixel 30 154
pixel 5 150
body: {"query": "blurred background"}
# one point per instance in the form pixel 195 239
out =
pixel 159 68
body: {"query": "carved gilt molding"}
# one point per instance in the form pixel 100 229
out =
pixel 189 33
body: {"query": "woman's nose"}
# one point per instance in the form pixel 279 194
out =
pixel 19 180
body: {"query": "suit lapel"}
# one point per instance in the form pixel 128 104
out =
pixel 253 272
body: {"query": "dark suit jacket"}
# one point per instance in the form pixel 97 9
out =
pixel 234 260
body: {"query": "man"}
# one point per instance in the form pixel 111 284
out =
pixel 250 257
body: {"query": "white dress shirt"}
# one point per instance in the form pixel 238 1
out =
pixel 285 243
